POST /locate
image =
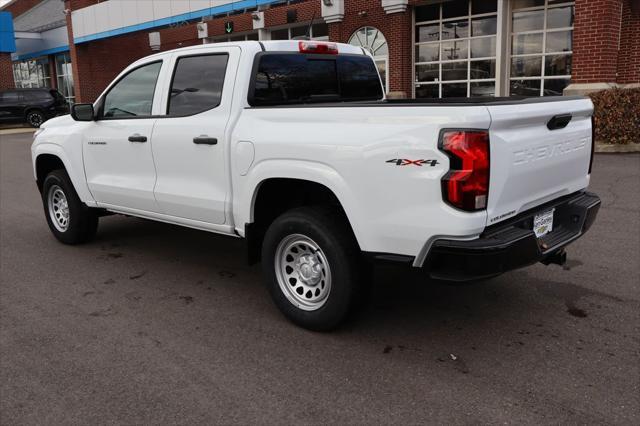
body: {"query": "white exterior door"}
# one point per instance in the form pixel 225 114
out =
pixel 190 145
pixel 117 146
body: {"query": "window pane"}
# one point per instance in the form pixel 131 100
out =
pixel 428 13
pixel 427 52
pixel 526 43
pixel 454 71
pixel 299 31
pixel 456 29
pixel 525 87
pixel 483 69
pixel 428 91
pixel 454 8
pixel 428 72
pixel 320 30
pixel 428 33
pixel 559 41
pixel 197 84
pixel 483 47
pixel 560 17
pixel 133 95
pixel 521 4
pixel 288 79
pixel 359 78
pixel 558 65
pixel 526 67
pixel 483 26
pixel 555 87
pixel 528 21
pixel 280 34
pixel 453 50
pixel 483 89
pixel 457 90
pixel 483 6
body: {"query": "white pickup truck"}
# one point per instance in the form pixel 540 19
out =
pixel 293 146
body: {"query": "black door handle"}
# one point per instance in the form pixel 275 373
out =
pixel 205 140
pixel 137 138
pixel 559 121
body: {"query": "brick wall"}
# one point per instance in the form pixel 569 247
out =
pixel 396 29
pixel 629 55
pixel 19 7
pixel 595 41
pixel 6 72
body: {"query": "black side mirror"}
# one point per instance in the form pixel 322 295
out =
pixel 82 112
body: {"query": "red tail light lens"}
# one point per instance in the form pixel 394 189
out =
pixel 466 186
pixel 318 47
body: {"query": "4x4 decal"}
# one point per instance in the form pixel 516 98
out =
pixel 406 162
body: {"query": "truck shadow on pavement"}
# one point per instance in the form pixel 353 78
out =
pixel 401 297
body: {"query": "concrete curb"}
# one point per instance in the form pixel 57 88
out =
pixel 611 148
pixel 16 131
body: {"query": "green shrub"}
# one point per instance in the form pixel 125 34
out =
pixel 617 116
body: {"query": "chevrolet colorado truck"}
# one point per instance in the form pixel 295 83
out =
pixel 292 146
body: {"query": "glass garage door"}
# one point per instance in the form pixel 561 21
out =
pixel 541 47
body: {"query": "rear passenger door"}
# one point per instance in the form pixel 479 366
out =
pixel 190 145
pixel 11 105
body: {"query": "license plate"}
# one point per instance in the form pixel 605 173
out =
pixel 543 223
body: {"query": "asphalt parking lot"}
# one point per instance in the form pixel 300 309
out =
pixel 153 323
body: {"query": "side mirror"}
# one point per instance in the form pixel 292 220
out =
pixel 82 112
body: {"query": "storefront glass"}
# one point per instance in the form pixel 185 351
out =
pixel 64 73
pixel 455 49
pixel 32 73
pixel 541 47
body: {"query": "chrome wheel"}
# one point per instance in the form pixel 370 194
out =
pixel 303 272
pixel 35 119
pixel 58 208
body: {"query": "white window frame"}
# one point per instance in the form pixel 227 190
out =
pixel 543 55
pixel 377 58
pixel 468 81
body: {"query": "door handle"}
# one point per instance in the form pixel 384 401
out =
pixel 137 138
pixel 205 140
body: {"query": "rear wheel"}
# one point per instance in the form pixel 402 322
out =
pixel 35 118
pixel 311 263
pixel 69 219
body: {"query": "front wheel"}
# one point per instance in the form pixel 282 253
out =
pixel 69 219
pixel 311 264
pixel 35 118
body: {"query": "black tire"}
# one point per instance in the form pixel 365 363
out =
pixel 82 222
pixel 35 118
pixel 332 234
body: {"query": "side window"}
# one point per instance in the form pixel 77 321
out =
pixel 132 96
pixel 197 84
pixel 10 98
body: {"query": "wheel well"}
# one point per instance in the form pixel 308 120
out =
pixel 45 164
pixel 26 113
pixel 278 195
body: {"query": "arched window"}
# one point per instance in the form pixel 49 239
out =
pixel 374 41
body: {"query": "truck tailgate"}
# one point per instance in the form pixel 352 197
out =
pixel 532 164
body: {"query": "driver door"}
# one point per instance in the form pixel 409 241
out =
pixel 117 145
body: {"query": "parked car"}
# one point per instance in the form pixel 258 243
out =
pixel 292 146
pixel 33 106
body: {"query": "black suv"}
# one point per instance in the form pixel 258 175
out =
pixel 35 106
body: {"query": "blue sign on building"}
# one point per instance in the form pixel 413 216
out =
pixel 7 36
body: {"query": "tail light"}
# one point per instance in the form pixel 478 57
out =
pixel 466 185
pixel 318 47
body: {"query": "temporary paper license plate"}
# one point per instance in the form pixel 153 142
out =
pixel 543 223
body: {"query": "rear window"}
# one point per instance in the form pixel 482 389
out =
pixel 36 96
pixel 284 79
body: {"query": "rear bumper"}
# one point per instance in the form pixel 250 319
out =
pixel 513 244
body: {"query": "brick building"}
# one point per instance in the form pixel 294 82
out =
pixel 424 48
